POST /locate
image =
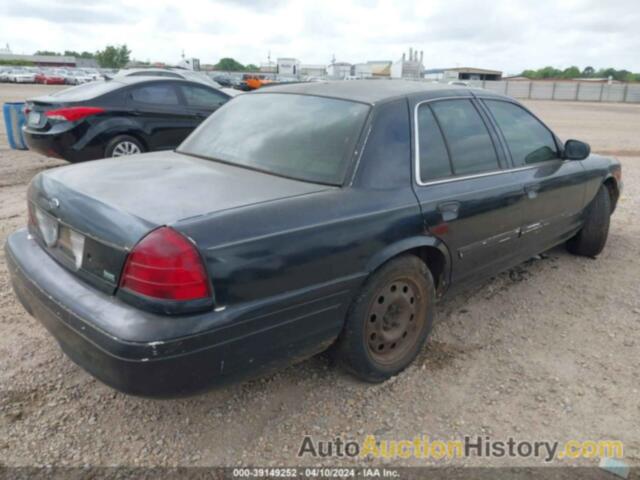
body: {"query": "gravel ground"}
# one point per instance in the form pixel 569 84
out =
pixel 549 350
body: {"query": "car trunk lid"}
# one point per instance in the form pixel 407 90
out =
pixel 111 204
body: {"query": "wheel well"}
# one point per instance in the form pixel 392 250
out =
pixel 614 193
pixel 435 261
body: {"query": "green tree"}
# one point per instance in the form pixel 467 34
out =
pixel 113 56
pixel 73 53
pixel 571 72
pixel 549 72
pixel 229 65
pixel 251 67
pixel 529 73
pixel 588 72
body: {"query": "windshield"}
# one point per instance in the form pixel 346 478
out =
pixel 303 137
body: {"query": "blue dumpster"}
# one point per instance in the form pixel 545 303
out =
pixel 14 120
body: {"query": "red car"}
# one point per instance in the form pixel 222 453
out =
pixel 49 79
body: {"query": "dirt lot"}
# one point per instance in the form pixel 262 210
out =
pixel 550 350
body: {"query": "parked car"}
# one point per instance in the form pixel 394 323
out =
pixel 21 75
pixel 167 73
pixel 4 74
pixel 118 117
pixel 49 78
pixel 224 80
pixel 78 77
pixel 176 73
pixel 341 217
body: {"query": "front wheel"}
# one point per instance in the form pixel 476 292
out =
pixel 389 321
pixel 592 237
pixel 123 145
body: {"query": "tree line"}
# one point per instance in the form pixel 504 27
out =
pixel 587 72
pixel 110 57
pixel 231 65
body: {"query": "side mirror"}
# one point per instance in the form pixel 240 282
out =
pixel 576 150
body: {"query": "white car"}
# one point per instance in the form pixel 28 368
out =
pixel 4 75
pixel 21 76
pixel 78 77
pixel 93 73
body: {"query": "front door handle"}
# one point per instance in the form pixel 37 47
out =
pixel 532 190
pixel 449 210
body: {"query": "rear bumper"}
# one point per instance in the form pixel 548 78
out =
pixel 229 346
pixel 63 144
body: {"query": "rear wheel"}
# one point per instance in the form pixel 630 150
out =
pixel 592 237
pixel 389 322
pixel 123 145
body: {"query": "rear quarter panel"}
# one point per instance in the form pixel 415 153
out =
pixel 320 245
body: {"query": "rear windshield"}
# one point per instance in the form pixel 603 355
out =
pixel 298 136
pixel 86 91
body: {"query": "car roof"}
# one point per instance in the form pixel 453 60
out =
pixel 131 80
pixel 126 71
pixel 372 91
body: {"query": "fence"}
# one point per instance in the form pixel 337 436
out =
pixel 576 91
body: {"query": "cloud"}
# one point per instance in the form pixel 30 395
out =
pixel 73 12
pixel 257 5
pixel 507 35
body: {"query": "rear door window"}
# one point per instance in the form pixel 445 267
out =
pixel 201 97
pixel 529 141
pixel 156 94
pixel 434 158
pixel 470 145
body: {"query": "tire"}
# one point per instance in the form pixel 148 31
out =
pixel 592 237
pixel 123 145
pixel 389 322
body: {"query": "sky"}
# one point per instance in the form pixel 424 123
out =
pixel 507 35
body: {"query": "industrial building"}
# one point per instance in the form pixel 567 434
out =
pixel 408 68
pixel 461 73
pixel 309 70
pixel 288 67
pixel 338 70
pixel 372 69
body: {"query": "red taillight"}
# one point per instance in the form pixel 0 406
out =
pixel 167 266
pixel 71 114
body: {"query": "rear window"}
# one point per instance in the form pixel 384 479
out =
pixel 86 91
pixel 298 136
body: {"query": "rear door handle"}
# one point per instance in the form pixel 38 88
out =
pixel 532 190
pixel 449 210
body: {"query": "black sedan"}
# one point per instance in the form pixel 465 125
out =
pixel 119 117
pixel 340 221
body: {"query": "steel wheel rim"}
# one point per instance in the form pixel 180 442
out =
pixel 125 148
pixel 395 318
